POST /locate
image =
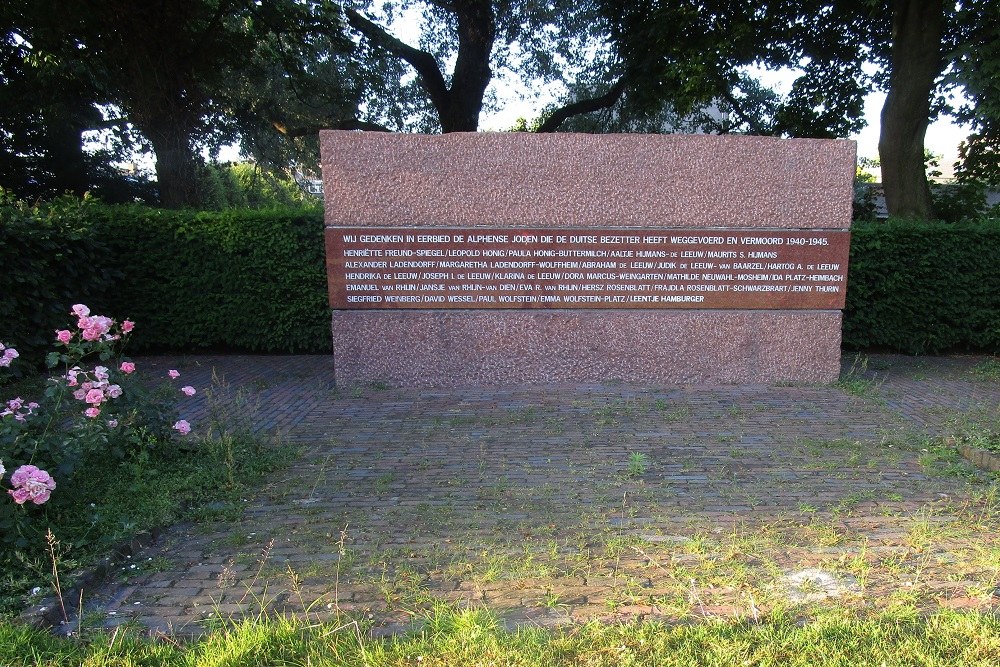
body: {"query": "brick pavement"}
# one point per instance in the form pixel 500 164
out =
pixel 560 504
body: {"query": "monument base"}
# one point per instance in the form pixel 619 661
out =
pixel 510 347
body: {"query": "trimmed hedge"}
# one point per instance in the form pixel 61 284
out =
pixel 256 280
pixel 49 260
pixel 924 287
pixel 237 279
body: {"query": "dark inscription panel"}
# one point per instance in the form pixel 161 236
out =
pixel 406 267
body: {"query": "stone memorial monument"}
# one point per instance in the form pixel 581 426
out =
pixel 513 258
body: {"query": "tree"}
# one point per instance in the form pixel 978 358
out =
pixel 916 63
pixel 976 69
pixel 185 75
pixel 687 54
pixel 538 41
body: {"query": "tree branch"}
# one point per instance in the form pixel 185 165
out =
pixel 605 101
pixel 423 62
pixel 753 125
pixel 310 130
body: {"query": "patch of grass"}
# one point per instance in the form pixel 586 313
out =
pixel 988 370
pixel 978 428
pixel 638 463
pixel 444 636
pixel 855 381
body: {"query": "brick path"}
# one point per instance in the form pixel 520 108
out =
pixel 565 503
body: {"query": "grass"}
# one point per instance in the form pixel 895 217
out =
pixel 979 428
pixel 855 382
pixel 988 370
pixel 206 480
pixel 445 636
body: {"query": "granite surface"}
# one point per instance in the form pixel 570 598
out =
pixel 483 348
pixel 584 180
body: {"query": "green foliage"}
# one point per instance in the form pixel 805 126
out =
pixel 962 200
pixel 50 261
pixel 924 287
pixel 245 185
pixel 236 279
pixel 147 486
pixel 50 429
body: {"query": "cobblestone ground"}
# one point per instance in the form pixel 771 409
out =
pixel 561 504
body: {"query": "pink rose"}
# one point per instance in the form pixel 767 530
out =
pixel 173 374
pixel 95 397
pixel 182 427
pixel 92 412
pixel 101 372
pixel 80 310
pixel 127 367
pixel 9 355
pixel 91 334
pixel 80 394
pixel 114 391
pixel 15 403
pixel 188 391
pixel 127 326
pixel 32 484
pixel 112 423
pixel 64 336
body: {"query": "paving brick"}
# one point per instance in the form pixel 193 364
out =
pixel 523 496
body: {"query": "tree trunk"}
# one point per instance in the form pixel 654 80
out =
pixel 177 165
pixel 476 31
pixel 917 27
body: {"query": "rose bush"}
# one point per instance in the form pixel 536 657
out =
pixel 94 411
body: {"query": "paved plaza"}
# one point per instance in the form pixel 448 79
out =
pixel 561 504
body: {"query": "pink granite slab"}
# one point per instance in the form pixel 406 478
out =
pixel 478 348
pixel 585 180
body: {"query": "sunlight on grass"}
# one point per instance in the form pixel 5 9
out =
pixel 444 636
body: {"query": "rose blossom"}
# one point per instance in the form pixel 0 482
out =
pixel 80 310
pixel 127 326
pixel 182 427
pixel 173 374
pixel 189 390
pixel 32 484
pixel 92 412
pixel 112 423
pixel 80 394
pixel 101 372
pixel 9 355
pixel 91 335
pixel 127 367
pixel 64 336
pixel 95 397
pixel 114 391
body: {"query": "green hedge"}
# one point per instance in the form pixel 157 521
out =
pixel 49 260
pixel 238 280
pixel 256 280
pixel 924 287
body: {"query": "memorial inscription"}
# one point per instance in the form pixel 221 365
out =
pixel 430 268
